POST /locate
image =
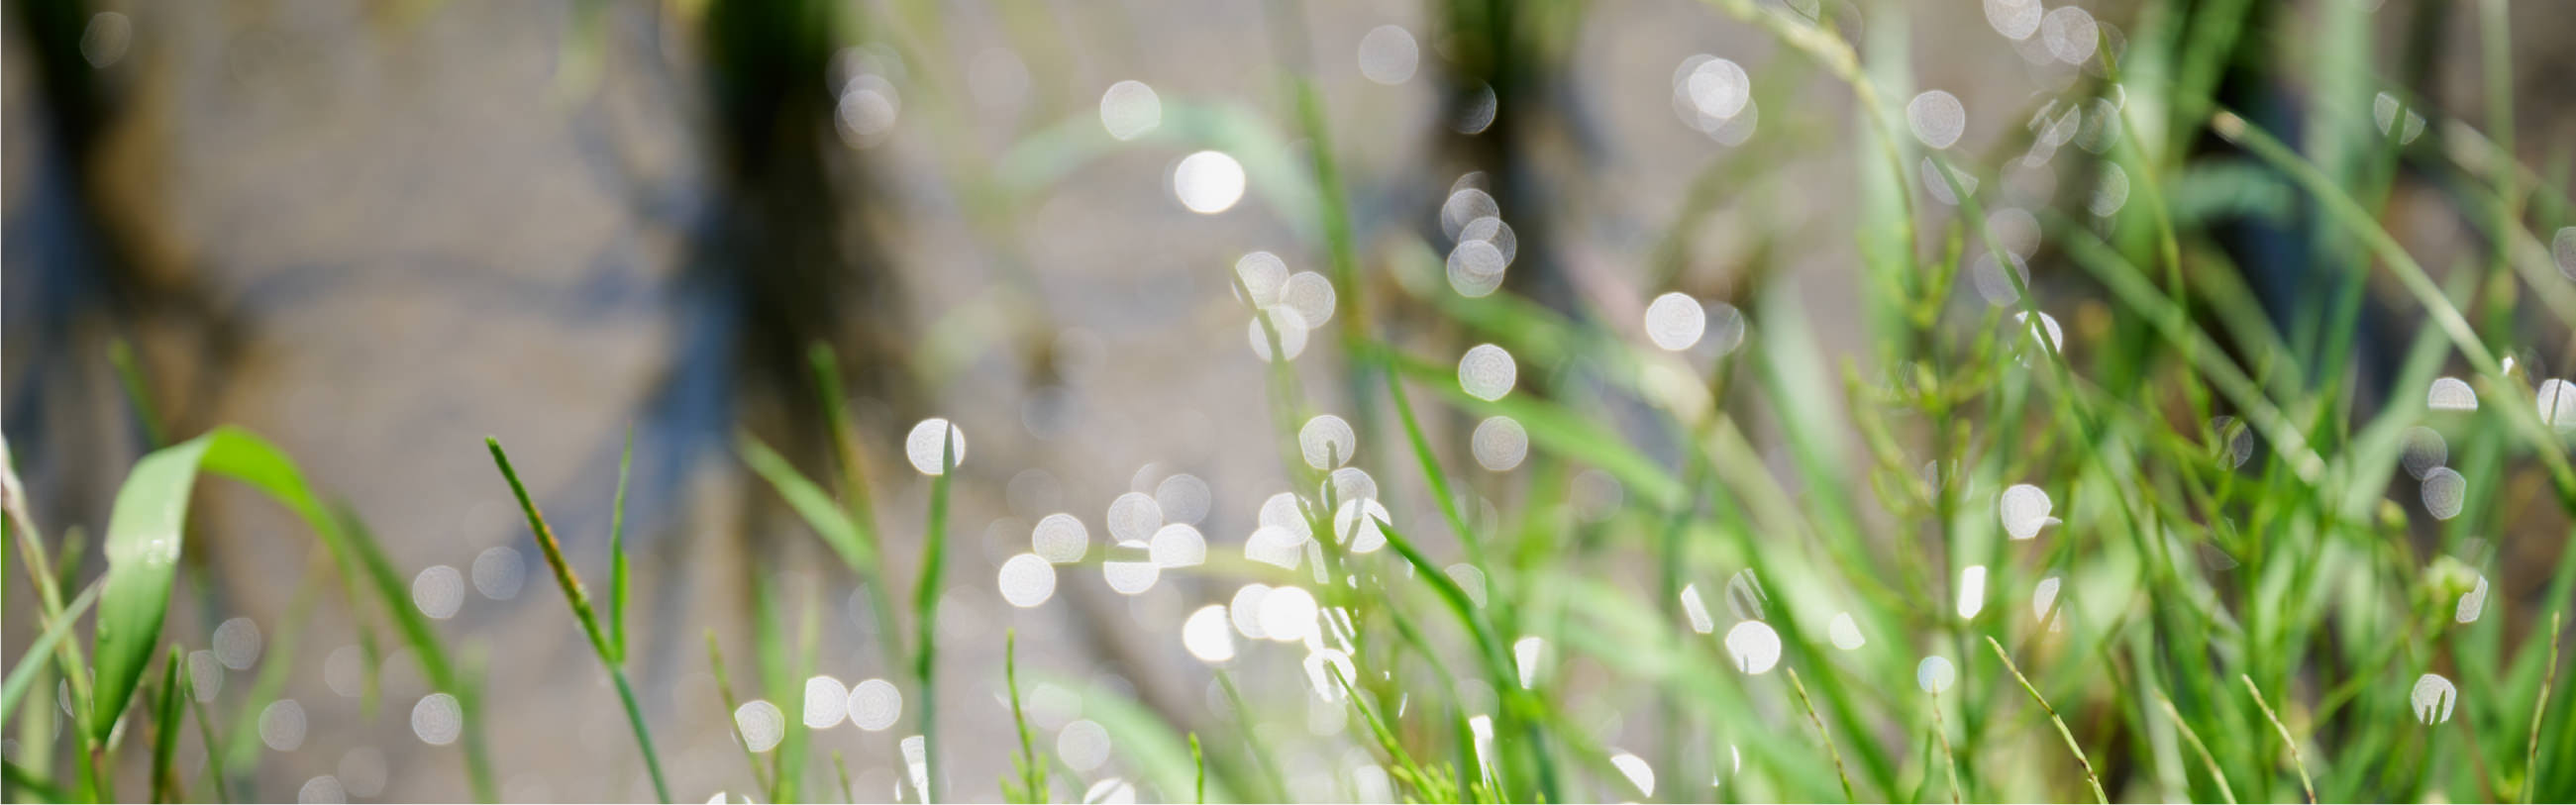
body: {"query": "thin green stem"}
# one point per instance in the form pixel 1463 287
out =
pixel 2295 760
pixel 1819 723
pixel 2207 760
pixel 2540 709
pixel 2071 746
pixel 925 608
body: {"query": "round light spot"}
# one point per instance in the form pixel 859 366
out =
pixel 2070 34
pixel 323 789
pixel 1178 545
pixel 1972 590
pixel 1638 772
pixel 1476 268
pixel 761 724
pixel 2047 339
pixel 2451 394
pixel 1281 511
pixel 1674 321
pixel 1934 674
pixel 1060 538
pixel 1492 230
pixel 2024 509
pixel 1183 498
pixel 1754 646
pixel 1327 442
pixel 2562 246
pixel 1110 791
pixel 2445 491
pixel 1352 483
pixel 1083 745
pixel 362 771
pixel 1745 596
pixel 1998 288
pixel 1277 547
pixel 2015 19
pixel 237 643
pixel 867 110
pixel 437 719
pixel 499 572
pixel 2472 603
pixel 1264 276
pixel 1696 610
pixel 1292 332
pixel 1311 295
pixel 922 445
pixel 1845 632
pixel 205 675
pixel 1208 634
pixel 1487 372
pixel 438 591
pixel 2110 194
pixel 1357 520
pixel 1464 206
pixel 2044 596
pixel 1130 108
pixel 345 672
pixel 1208 182
pixel 1719 88
pixel 875 704
pixel 826 702
pixel 2557 401
pixel 2015 230
pixel 1388 55
pixel 104 41
pixel 1470 579
pixel 1134 516
pixel 1027 580
pixel 1130 568
pixel 1245 611
pixel 1320 668
pixel 1499 443
pixel 2433 697
pixel 1937 118
pixel 1288 614
pixel 281 725
pixel 2422 450
pixel 2235 439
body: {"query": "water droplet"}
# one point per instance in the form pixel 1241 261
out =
pixel 2025 509
pixel 499 572
pixel 2433 697
pixel 1638 772
pixel 1288 614
pixel 1134 516
pixel 1674 321
pixel 1754 645
pixel 1311 295
pixel 1027 580
pixel 875 704
pixel 437 719
pixel 2557 401
pixel 1292 332
pixel 1060 538
pixel 761 724
pixel 1178 545
pixel 1499 443
pixel 1972 590
pixel 2422 450
pixel 1937 118
pixel 1388 55
pixel 1208 182
pixel 281 725
pixel 1696 610
pixel 922 446
pixel 1487 372
pixel 1845 632
pixel 2070 34
pixel 1327 442
pixel 2445 491
pixel 1357 519
pixel 1130 108
pixel 2472 603
pixel 237 643
pixel 1934 674
pixel 826 702
pixel 2451 394
pixel 1083 745
pixel 1209 635
pixel 438 591
pixel 104 40
pixel 1184 498
pixel 1129 568
pixel 2015 19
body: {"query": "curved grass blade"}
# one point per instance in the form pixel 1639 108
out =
pixel 165 737
pixel 31 663
pixel 143 543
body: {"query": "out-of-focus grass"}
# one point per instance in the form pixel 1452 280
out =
pixel 2219 627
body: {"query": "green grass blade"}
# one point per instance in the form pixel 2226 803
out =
pixel 129 374
pixel 579 597
pixel 165 728
pixel 143 543
pixel 812 503
pixel 32 662
pixel 617 571
pixel 733 724
pixel 925 611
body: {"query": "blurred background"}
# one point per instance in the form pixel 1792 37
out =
pixel 379 231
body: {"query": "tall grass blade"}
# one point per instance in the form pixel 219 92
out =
pixel 925 612
pixel 2295 760
pixel 33 661
pixel 2071 746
